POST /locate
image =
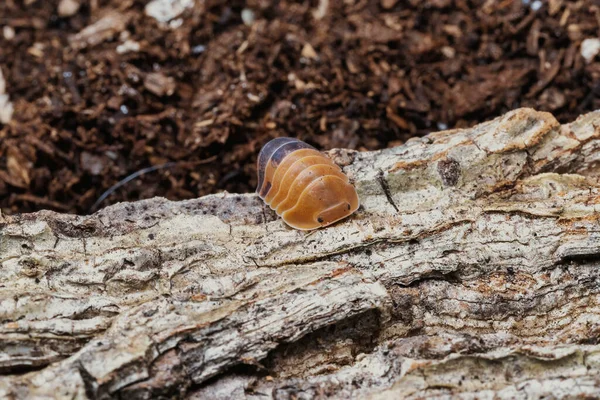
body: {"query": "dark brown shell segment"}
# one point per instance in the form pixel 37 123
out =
pixel 304 186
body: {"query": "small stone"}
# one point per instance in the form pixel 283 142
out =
pixel 309 52
pixel 128 46
pixel 199 49
pixel 68 8
pixel 253 97
pixel 166 10
pixel 176 23
pixel 536 5
pixel 248 16
pixel 8 32
pixel 448 51
pixel 590 48
pixel 91 163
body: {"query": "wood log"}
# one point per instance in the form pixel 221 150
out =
pixel 470 270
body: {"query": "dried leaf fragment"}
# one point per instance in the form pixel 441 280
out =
pixel 18 168
pixel 103 29
pixel 160 84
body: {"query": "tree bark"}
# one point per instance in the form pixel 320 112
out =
pixel 470 270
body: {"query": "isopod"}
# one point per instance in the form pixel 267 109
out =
pixel 304 186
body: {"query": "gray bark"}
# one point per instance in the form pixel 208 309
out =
pixel 471 270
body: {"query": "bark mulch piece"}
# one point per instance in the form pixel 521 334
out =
pixel 96 90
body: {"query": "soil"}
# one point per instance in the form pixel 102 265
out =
pixel 103 92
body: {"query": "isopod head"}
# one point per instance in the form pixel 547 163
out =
pixel 306 188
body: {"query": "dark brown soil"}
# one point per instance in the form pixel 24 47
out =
pixel 203 97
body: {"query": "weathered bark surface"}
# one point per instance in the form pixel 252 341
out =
pixel 471 269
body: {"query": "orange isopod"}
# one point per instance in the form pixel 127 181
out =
pixel 304 186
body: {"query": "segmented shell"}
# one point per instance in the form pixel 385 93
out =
pixel 305 187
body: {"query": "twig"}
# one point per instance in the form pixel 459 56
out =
pixel 321 10
pixel 39 201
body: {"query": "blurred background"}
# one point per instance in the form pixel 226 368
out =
pixel 175 98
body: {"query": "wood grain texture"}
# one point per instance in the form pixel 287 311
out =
pixel 471 270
